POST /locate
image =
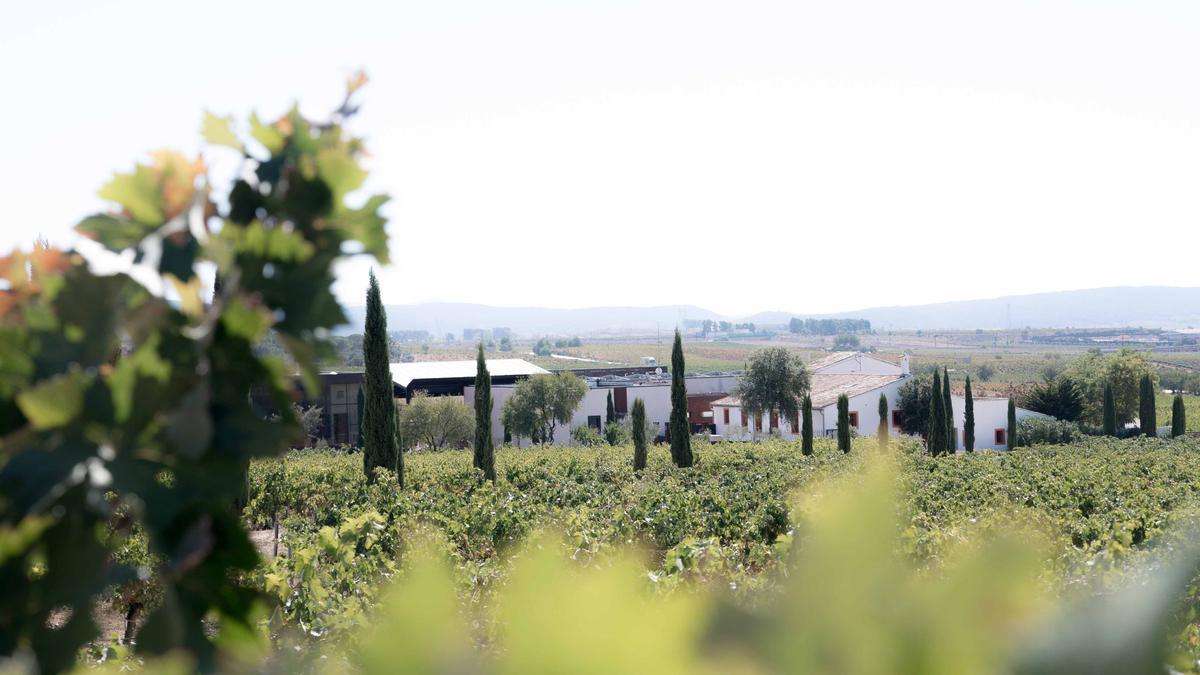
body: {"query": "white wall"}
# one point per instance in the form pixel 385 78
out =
pixel 990 414
pixel 824 419
pixel 861 363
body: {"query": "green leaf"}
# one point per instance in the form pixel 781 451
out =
pixel 54 402
pixel 271 138
pixel 138 193
pixel 340 172
pixel 115 234
pixel 368 227
pixel 219 131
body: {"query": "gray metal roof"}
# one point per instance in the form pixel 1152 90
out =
pixel 404 373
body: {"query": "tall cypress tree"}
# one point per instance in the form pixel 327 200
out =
pixel 485 453
pixel 936 436
pixel 610 413
pixel 681 436
pixel 379 414
pixel 883 421
pixel 1110 411
pixel 843 423
pixel 1147 416
pixel 806 428
pixel 638 420
pixel 1012 423
pixel 1178 417
pixel 969 419
pixel 948 410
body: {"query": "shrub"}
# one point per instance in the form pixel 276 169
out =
pixel 1037 431
pixel 587 437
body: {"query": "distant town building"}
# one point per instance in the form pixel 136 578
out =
pixel 501 332
pixel 476 335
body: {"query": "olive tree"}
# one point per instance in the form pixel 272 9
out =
pixel 540 403
pixel 437 422
pixel 775 381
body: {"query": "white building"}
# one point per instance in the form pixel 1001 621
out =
pixel 991 421
pixel 655 393
pixel 732 422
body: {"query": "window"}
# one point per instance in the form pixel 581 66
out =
pixel 341 428
pixel 854 419
pixel 594 422
pixel 774 420
pixel 796 423
pixel 1002 437
pixel 758 422
pixel 896 418
pixel 744 423
pixel 726 415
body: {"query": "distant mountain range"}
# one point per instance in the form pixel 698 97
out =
pixel 1145 306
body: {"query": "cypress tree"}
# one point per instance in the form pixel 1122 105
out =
pixel 1110 411
pixel 1178 417
pixel 1147 417
pixel 379 416
pixel 507 436
pixel 681 436
pixel 398 444
pixel 936 440
pixel 969 419
pixel 843 423
pixel 485 454
pixel 806 429
pixel 1012 423
pixel 883 421
pixel 948 411
pixel 638 420
pixel 610 413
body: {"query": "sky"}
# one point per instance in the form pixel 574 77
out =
pixel 741 156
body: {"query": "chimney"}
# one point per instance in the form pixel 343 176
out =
pixel 904 365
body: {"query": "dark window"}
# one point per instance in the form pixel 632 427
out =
pixel 1001 437
pixel 341 428
pixel 744 420
pixel 796 423
pixel 774 420
pixel 854 419
pixel 896 418
pixel 726 415
pixel 594 422
pixel 758 422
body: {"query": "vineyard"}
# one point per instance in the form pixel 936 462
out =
pixel 1038 527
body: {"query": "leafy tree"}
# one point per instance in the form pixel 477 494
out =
pixel 1123 370
pixel 379 416
pixel 883 420
pixel 1012 424
pixel 1110 411
pixel 543 347
pixel 968 418
pixel 774 382
pixel 638 420
pixel 1059 398
pixel 125 416
pixel 948 411
pixel 485 453
pixel 542 402
pixel 806 427
pixel 437 422
pixel 506 344
pixel 610 411
pixel 843 423
pixel 1146 414
pixel 617 434
pixel 985 372
pixel 681 436
pixel 1178 417
pixel 310 418
pixel 913 403
pixel 936 435
pixel 846 341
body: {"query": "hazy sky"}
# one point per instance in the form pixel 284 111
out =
pixel 741 156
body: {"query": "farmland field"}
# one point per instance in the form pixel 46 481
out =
pixel 730 525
